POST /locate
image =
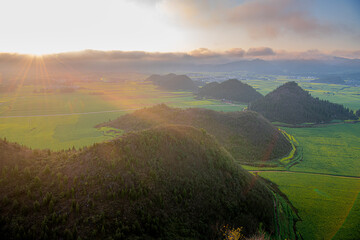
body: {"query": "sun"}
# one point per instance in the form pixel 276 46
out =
pixel 38 52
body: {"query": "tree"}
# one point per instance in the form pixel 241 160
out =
pixel 357 113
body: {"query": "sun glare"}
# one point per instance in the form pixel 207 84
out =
pixel 116 25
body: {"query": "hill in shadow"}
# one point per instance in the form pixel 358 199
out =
pixel 172 182
pixel 232 89
pixel 290 103
pixel 248 136
pixel 172 81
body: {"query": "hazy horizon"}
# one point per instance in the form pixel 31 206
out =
pixel 251 28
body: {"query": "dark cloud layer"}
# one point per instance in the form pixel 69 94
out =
pixel 260 51
pixel 200 55
pixel 235 52
pixel 259 18
pixel 262 18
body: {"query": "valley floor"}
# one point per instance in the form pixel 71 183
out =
pixel 324 187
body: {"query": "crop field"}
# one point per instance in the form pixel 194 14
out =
pixel 342 94
pixel 331 149
pixel 350 227
pixel 63 120
pixel 328 205
pixel 324 202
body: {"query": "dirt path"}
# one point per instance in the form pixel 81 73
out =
pixel 313 173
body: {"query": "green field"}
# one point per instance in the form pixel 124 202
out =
pixel 346 95
pixel 324 202
pixel 350 228
pixel 328 205
pixel 63 120
pixel 331 149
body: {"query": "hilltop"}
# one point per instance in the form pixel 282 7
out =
pixel 172 81
pixel 248 136
pixel 173 182
pixel 290 103
pixel 231 89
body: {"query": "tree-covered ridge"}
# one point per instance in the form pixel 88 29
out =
pixel 173 182
pixel 290 103
pixel 231 89
pixel 248 136
pixel 172 81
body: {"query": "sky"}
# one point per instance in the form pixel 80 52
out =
pixel 200 27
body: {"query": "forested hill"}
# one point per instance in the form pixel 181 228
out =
pixel 172 81
pixel 231 89
pixel 248 136
pixel 172 182
pixel 290 103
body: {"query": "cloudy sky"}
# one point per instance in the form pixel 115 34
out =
pixel 200 27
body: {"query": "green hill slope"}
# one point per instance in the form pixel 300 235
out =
pixel 289 103
pixel 248 136
pixel 231 89
pixel 172 182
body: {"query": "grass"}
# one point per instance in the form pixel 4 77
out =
pixel 66 131
pixel 350 229
pixel 346 95
pixel 331 149
pixel 326 204
pixel 60 132
pixel 323 201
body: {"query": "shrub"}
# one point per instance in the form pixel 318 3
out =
pixel 47 198
pixel 36 205
pixel 51 206
pixel 15 204
pixel 232 233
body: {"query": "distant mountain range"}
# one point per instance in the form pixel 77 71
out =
pixel 302 67
pixel 89 62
